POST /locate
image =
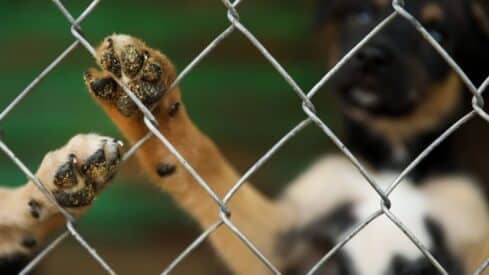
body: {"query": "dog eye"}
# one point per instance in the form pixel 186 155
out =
pixel 361 17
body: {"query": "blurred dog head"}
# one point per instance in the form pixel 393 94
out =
pixel 398 72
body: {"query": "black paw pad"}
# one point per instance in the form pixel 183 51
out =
pixel 95 167
pixel 174 109
pixel 165 170
pixel 109 60
pixel 35 207
pixel 152 70
pixel 132 60
pixel 80 198
pixel 148 93
pixel 66 177
pixel 104 88
pixel 125 105
pixel 29 242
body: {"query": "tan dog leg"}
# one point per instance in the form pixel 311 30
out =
pixel 149 74
pixel 74 174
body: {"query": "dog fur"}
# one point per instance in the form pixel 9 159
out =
pixel 287 230
pixel 443 206
pixel 74 174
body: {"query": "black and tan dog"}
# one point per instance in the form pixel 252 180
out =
pixel 397 95
pixel 397 92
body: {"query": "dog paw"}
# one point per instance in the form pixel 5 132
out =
pixel 145 71
pixel 74 174
pixel 77 172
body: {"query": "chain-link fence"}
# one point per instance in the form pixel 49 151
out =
pixel 311 117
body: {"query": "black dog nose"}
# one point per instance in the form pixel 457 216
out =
pixel 373 58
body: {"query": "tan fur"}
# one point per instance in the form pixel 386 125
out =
pixel 262 220
pixel 382 3
pixel 333 175
pixel 478 255
pixel 439 102
pixel 460 206
pixel 16 219
pixel 257 217
pixel 481 17
pixel 332 50
pixel 432 12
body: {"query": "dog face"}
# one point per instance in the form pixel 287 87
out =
pixel 398 71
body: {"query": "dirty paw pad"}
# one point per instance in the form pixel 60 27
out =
pixel 83 167
pixel 102 85
pixel 137 66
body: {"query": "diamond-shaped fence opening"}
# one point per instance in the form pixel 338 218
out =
pixel 236 25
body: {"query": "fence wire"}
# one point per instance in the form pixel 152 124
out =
pixel 311 117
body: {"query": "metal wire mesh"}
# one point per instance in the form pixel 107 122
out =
pixel 311 117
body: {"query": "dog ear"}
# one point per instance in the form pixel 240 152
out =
pixel 480 13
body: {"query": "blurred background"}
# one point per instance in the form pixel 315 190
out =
pixel 234 95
